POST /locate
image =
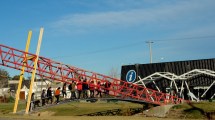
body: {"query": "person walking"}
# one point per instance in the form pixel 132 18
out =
pixel 70 89
pixel 64 90
pixel 79 88
pixel 107 87
pixel 57 95
pixel 92 89
pixel 49 95
pixel 73 91
pixel 99 90
pixel 32 105
pixel 85 88
pixel 43 97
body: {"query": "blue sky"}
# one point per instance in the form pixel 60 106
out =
pixel 99 35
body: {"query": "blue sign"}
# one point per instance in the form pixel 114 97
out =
pixel 131 76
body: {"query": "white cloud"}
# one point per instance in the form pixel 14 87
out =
pixel 198 31
pixel 180 11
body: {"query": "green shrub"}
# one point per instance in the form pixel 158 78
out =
pixel 11 99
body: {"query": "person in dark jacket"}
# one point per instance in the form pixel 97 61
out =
pixel 64 90
pixel 70 89
pixel 85 88
pixel 49 95
pixel 107 87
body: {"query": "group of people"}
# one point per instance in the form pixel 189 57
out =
pixel 83 87
pixel 47 96
pixel 77 89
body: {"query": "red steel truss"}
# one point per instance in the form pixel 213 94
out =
pixel 47 68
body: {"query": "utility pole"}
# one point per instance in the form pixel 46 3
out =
pixel 150 49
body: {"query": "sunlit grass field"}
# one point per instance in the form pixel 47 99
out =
pixel 74 110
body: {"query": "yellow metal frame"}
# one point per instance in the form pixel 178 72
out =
pixel 34 70
pixel 22 74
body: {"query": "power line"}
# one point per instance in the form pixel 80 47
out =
pixel 186 38
pixel 131 45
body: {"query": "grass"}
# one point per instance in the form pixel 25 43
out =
pixel 73 109
pixel 194 110
pixel 6 108
pixel 76 108
pixel 205 106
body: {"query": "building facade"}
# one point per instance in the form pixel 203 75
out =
pixel 189 79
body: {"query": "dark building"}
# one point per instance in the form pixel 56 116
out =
pixel 196 83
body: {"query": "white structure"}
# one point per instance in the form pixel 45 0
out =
pixel 184 78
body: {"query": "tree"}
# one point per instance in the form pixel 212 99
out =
pixel 114 73
pixel 4 74
pixel 16 77
pixel 3 83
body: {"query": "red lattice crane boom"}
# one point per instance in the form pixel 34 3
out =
pixel 47 68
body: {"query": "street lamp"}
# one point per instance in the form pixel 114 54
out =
pixel 150 48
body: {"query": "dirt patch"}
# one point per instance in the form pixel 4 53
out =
pixel 159 111
pixel 45 113
pixel 176 113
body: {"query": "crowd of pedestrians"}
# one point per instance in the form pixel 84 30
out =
pixel 78 90
pixel 87 89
